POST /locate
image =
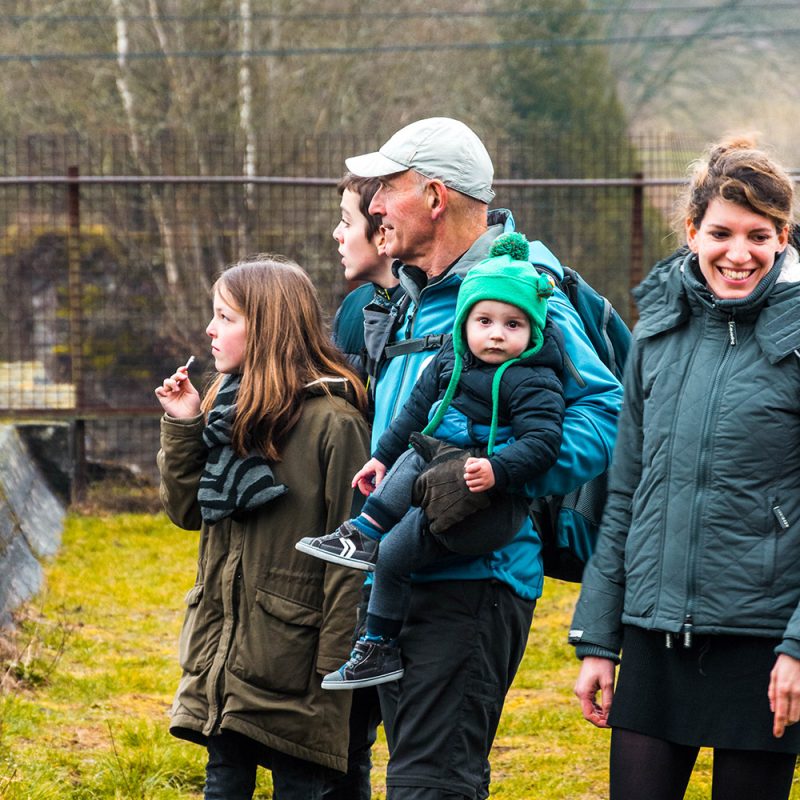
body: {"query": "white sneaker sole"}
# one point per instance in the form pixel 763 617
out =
pixel 335 558
pixel 374 681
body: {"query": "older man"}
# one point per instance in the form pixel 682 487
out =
pixel 466 631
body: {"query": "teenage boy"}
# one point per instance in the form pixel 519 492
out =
pixel 362 249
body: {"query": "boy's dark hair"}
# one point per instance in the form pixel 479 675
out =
pixel 365 188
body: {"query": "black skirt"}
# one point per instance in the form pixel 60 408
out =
pixel 713 694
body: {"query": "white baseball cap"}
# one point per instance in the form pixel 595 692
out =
pixel 440 148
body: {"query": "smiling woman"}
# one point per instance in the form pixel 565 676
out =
pixel 695 577
pixel 735 247
pixel 737 216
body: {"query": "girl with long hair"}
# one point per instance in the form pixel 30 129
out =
pixel 265 458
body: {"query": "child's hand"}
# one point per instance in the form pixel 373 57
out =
pixel 478 474
pixel 177 396
pixel 369 476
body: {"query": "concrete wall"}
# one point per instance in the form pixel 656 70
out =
pixel 31 523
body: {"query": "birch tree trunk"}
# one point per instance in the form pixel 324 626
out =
pixel 172 289
pixel 246 120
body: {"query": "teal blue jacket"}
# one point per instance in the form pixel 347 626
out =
pixel 590 421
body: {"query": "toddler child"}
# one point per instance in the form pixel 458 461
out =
pixel 263 457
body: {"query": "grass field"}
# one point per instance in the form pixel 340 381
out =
pixel 88 680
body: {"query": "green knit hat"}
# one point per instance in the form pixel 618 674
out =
pixel 505 276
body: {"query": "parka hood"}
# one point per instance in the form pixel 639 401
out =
pixel 665 299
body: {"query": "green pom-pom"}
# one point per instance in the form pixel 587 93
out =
pixel 511 244
pixel 545 286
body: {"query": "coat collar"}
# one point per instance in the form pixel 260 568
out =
pixel 666 296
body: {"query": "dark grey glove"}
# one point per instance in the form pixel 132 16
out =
pixel 440 490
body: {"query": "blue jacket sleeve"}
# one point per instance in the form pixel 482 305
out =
pixel 593 404
pixel 598 613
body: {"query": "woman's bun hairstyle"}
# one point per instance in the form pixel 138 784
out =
pixel 737 170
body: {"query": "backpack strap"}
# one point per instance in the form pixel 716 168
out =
pixel 432 341
pixel 565 286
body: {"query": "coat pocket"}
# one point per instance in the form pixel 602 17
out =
pixel 193 634
pixel 778 524
pixel 278 645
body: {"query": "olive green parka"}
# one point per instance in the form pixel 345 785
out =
pixel 263 621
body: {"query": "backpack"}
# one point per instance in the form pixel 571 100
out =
pixel 568 524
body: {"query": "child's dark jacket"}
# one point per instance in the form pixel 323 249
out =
pixel 531 404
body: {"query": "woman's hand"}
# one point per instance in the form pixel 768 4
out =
pixel 784 693
pixel 596 675
pixel 177 396
pixel 369 476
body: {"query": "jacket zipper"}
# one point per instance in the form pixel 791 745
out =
pixel 687 628
pixel 216 675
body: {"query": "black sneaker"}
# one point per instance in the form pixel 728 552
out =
pixel 346 545
pixel 371 663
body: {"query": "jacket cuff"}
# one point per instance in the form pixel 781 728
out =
pixel 500 474
pixel 789 647
pixel 384 457
pixel 584 650
pixel 179 424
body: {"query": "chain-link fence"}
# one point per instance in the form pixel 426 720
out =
pixel 105 274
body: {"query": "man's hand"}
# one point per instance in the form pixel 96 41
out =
pixel 478 474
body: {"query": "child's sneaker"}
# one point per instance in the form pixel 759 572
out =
pixel 346 545
pixel 371 662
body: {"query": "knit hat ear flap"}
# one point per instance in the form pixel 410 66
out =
pixel 429 429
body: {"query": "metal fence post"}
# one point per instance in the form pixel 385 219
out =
pixel 637 242
pixel 75 310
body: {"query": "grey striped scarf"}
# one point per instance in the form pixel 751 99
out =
pixel 231 484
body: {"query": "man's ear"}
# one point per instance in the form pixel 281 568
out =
pixel 379 240
pixel 436 195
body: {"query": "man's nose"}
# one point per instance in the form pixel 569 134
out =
pixel 376 204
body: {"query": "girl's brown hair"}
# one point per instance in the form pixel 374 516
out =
pixel 736 170
pixel 286 348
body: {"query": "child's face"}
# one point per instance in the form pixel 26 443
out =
pixel 360 255
pixel 497 332
pixel 228 332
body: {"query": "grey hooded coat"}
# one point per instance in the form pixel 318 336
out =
pixel 701 530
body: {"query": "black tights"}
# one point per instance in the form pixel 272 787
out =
pixel 646 768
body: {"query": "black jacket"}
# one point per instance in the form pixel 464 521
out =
pixel 531 402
